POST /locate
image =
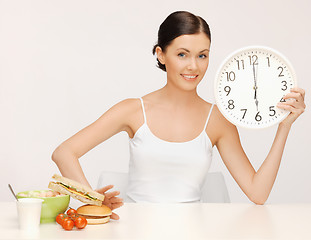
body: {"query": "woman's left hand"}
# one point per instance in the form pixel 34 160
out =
pixel 294 103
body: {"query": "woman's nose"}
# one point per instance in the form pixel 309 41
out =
pixel 192 64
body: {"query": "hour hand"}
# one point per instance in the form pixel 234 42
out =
pixel 255 95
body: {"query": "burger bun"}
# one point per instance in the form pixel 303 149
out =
pixel 95 214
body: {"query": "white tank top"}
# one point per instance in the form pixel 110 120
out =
pixel 162 171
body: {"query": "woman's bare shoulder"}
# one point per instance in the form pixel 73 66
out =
pixel 127 106
pixel 207 105
pixel 219 119
pixel 130 110
pixel 219 125
pixel 129 102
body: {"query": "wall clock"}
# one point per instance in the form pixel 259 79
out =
pixel 250 82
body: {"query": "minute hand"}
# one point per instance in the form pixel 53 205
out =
pixel 255 86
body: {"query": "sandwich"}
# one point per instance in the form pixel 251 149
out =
pixel 76 190
pixel 95 214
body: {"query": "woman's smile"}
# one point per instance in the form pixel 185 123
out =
pixel 189 77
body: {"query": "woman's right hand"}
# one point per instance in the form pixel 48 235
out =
pixel 111 200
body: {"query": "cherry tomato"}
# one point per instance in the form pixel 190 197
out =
pixel 71 211
pixel 60 217
pixel 67 224
pixel 80 222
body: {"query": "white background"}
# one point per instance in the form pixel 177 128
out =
pixel 64 63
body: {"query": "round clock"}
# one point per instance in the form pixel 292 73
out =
pixel 249 84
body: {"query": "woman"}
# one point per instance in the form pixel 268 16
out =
pixel 172 130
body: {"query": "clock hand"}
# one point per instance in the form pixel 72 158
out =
pixel 255 86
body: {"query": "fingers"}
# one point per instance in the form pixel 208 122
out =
pixel 299 91
pixel 116 205
pixel 116 200
pixel 114 216
pixel 289 103
pixel 104 189
pixel 292 109
pixel 111 200
pixel 112 194
pixel 294 100
pixel 113 206
pixel 286 106
pixel 296 93
pixel 294 103
pixel 108 195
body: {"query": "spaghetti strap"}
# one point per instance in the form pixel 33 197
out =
pixel 209 114
pixel 142 105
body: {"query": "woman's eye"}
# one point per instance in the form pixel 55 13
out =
pixel 202 56
pixel 181 55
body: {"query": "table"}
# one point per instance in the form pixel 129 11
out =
pixel 180 221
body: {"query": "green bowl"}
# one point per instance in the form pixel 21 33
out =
pixel 51 206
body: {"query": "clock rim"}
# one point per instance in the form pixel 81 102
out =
pixel 232 54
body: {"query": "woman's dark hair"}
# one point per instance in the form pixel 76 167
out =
pixel 177 24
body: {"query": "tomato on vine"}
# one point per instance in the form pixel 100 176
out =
pixel 71 219
pixel 60 217
pixel 80 222
pixel 71 211
pixel 67 224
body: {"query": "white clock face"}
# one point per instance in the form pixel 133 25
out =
pixel 249 84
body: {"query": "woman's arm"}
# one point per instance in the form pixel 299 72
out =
pixel 257 185
pixel 66 156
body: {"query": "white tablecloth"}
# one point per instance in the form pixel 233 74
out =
pixel 180 221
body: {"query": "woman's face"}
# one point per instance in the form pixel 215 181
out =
pixel 186 60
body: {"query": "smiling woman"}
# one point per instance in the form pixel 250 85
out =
pixel 173 130
pixel 186 58
pixel 178 24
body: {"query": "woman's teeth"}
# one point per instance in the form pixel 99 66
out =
pixel 190 76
